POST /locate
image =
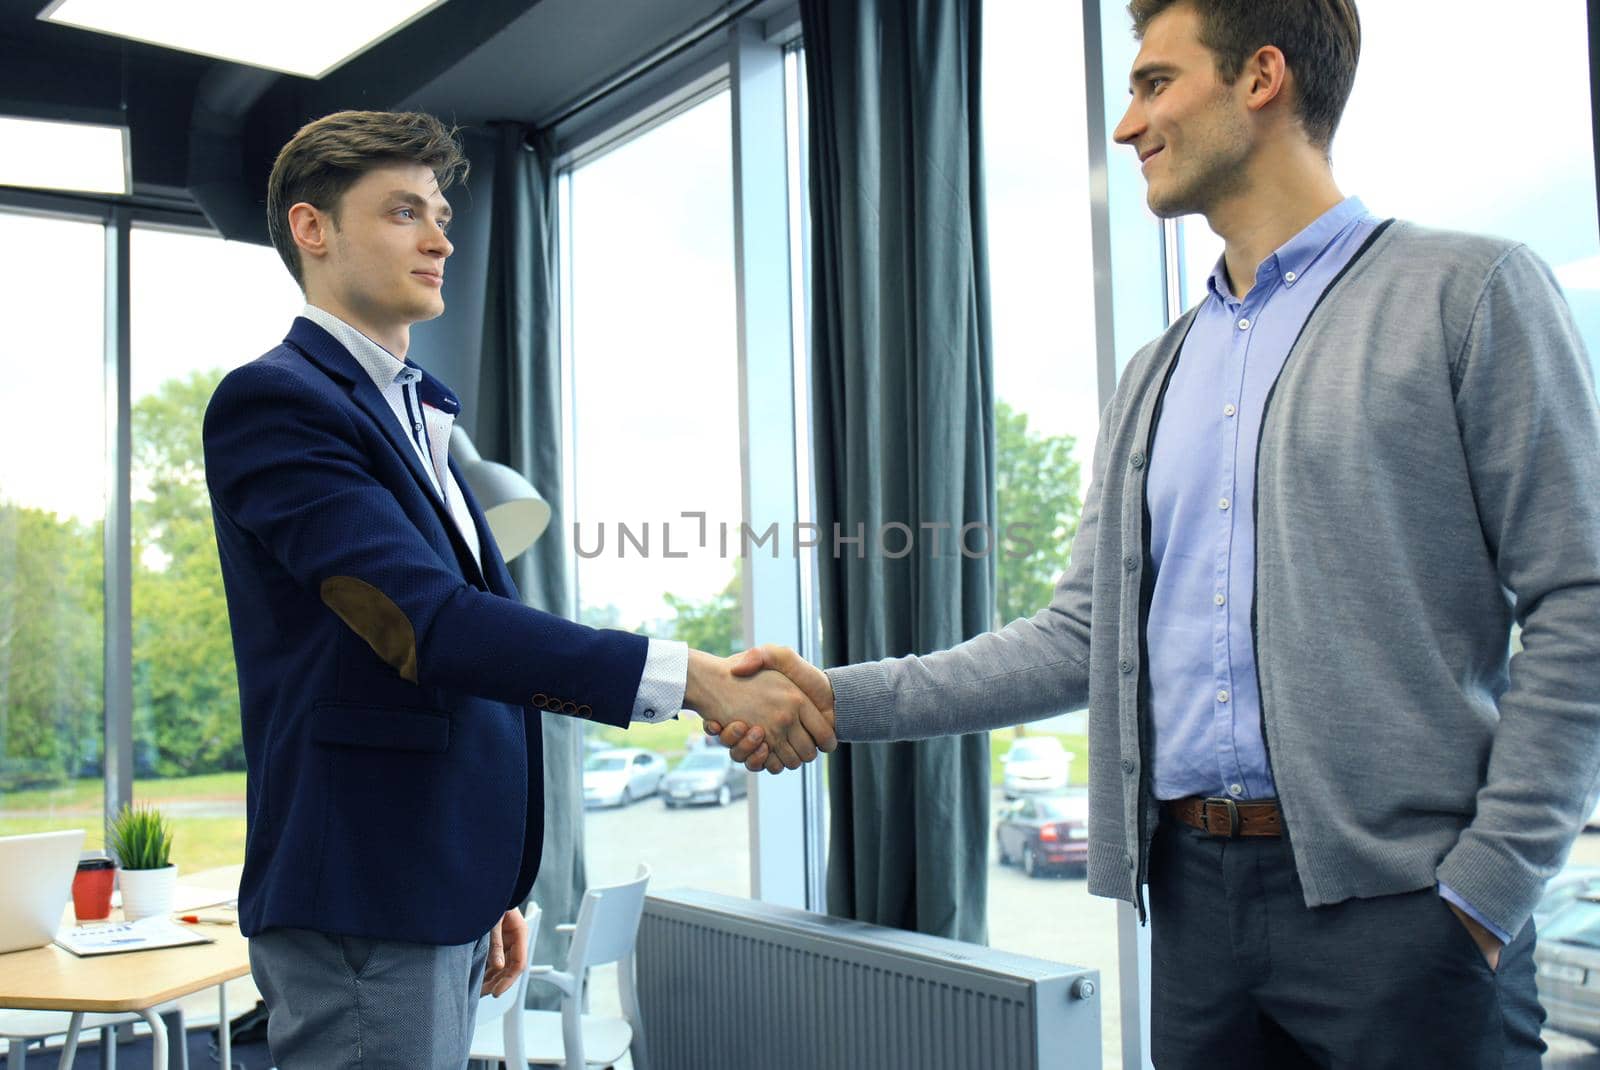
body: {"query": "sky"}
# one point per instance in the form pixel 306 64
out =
pixel 1486 130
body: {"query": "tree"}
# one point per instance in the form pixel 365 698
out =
pixel 51 649
pixel 1036 482
pixel 186 692
pixel 715 625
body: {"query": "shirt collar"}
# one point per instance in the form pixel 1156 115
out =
pixel 1289 263
pixel 383 366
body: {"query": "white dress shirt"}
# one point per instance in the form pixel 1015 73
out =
pixel 666 666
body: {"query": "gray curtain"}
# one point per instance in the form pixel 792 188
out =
pixel 904 430
pixel 519 424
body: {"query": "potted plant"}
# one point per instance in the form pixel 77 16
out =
pixel 141 838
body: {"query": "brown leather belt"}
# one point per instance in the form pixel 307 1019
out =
pixel 1218 815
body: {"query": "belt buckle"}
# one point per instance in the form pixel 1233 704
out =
pixel 1233 816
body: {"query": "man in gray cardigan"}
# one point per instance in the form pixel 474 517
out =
pixel 1321 501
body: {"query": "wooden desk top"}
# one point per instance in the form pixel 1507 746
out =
pixel 51 978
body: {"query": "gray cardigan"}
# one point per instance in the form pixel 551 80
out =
pixel 1428 474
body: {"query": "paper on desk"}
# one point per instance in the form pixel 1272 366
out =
pixel 114 937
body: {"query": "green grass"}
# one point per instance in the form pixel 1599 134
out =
pixel 198 843
pixel 88 795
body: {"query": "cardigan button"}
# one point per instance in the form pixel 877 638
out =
pixel 1130 562
pixel 1137 460
pixel 1128 765
pixel 1126 665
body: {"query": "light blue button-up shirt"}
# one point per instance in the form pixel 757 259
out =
pixel 1205 708
pixel 1205 705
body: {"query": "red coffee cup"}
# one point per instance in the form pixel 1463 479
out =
pixel 91 888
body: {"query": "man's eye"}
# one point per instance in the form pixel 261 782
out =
pixel 1157 85
pixel 407 212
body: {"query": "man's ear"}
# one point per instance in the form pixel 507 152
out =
pixel 311 228
pixel 1265 77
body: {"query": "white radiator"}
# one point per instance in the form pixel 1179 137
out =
pixel 735 984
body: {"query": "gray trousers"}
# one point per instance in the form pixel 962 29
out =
pixel 345 1001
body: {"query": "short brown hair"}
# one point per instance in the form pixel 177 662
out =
pixel 329 155
pixel 1320 41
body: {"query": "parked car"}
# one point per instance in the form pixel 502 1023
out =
pixel 618 777
pixel 707 775
pixel 1567 963
pixel 1035 763
pixel 1048 832
pixel 1563 888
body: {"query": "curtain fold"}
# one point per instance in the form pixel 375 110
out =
pixel 903 406
pixel 519 424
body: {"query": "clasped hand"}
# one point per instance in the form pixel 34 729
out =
pixel 776 709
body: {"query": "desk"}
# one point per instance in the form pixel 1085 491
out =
pixel 52 979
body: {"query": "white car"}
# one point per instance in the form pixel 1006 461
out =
pixel 618 777
pixel 1035 764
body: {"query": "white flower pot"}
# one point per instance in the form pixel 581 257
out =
pixel 147 892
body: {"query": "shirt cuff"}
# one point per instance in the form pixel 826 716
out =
pixel 666 674
pixel 1449 895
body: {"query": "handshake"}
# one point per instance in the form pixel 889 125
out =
pixel 770 706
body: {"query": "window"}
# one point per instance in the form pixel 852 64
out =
pixel 656 435
pixel 200 307
pixel 1047 415
pixel 52 519
pixel 1487 163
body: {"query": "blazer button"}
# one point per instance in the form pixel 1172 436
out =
pixel 540 699
pixel 569 707
pixel 554 705
pixel 585 710
pixel 1137 460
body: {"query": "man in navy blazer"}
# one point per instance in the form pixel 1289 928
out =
pixel 391 682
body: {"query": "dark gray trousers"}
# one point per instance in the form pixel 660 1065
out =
pixel 343 1001
pixel 1245 976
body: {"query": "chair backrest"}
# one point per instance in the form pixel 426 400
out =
pixel 608 923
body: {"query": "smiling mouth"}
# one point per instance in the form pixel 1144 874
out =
pixel 1147 157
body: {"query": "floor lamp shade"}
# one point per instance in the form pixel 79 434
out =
pixel 516 512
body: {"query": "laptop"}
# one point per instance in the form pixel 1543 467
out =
pixel 38 872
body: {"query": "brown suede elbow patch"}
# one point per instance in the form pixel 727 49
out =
pixel 371 615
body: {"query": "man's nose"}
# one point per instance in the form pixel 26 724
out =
pixel 438 244
pixel 1131 126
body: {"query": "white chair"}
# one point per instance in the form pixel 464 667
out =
pixel 608 924
pixel 20 1028
pixel 492 1009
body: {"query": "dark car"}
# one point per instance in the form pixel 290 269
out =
pixel 1045 833
pixel 708 775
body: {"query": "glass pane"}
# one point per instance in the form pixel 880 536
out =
pixel 655 376
pixel 200 307
pixel 1488 163
pixel 52 517
pixel 1047 415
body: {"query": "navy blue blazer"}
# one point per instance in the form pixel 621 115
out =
pixel 390 690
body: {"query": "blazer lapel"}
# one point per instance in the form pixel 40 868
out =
pixel 322 349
